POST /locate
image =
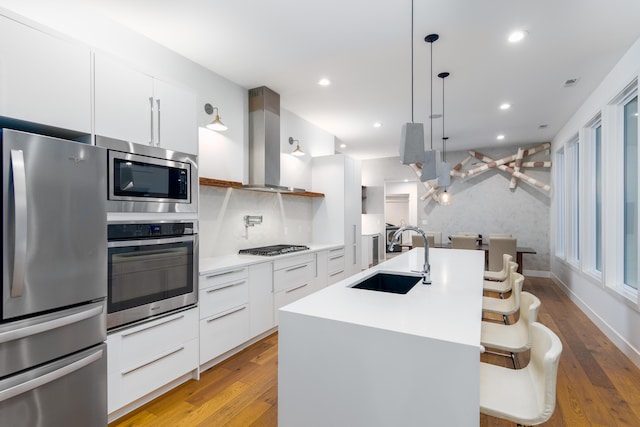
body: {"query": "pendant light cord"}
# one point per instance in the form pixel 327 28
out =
pixel 444 141
pixel 411 61
pixel 431 97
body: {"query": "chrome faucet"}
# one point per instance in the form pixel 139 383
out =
pixel 426 269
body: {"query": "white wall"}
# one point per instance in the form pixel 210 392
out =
pixel 482 204
pixel 616 316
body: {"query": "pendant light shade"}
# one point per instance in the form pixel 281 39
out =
pixel 216 124
pixel 444 198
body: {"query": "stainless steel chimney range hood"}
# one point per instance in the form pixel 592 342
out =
pixel 264 142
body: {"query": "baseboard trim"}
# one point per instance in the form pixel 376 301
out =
pixel 536 273
pixel 618 340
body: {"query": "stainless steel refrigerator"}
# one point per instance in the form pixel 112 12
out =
pixel 54 272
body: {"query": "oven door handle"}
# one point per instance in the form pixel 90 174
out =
pixel 150 242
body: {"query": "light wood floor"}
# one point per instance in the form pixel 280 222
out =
pixel 597 384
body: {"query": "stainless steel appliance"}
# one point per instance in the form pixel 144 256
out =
pixel 273 250
pixel 149 179
pixel 54 266
pixel 152 270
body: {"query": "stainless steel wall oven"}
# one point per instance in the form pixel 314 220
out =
pixel 152 269
pixel 149 179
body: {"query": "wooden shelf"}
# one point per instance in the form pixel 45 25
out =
pixel 210 182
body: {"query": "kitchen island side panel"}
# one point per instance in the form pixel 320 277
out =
pixel 333 373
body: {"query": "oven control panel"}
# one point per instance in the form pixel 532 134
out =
pixel 149 230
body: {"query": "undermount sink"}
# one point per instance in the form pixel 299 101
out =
pixel 385 282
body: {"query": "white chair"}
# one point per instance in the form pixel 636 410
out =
pixel 501 275
pixel 507 306
pixel 524 396
pixel 514 338
pixel 498 246
pixel 503 286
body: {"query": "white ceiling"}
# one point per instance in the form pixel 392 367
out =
pixel 364 47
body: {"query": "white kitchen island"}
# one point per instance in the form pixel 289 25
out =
pixel 355 357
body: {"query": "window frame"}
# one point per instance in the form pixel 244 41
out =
pixel 592 155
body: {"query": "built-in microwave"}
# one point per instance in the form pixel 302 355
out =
pixel 149 179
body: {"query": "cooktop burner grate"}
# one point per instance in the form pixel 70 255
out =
pixel 273 250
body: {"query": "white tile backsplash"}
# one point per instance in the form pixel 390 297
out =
pixel 285 219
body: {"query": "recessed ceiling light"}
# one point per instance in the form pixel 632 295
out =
pixel 505 106
pixel 500 137
pixel 343 145
pixel 377 125
pixel 324 82
pixel 517 36
pixel 543 126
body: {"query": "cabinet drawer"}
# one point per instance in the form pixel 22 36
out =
pixel 286 297
pixel 142 342
pixel 285 263
pixel 222 332
pixel 335 262
pixel 216 299
pixel 221 277
pixel 138 379
pixel 294 275
pixel 335 277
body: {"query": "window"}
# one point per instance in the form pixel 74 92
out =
pixel 597 154
pixel 572 176
pixel 560 203
pixel 630 144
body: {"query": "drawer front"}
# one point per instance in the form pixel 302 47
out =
pixel 221 333
pixel 221 277
pixel 336 262
pixel 217 299
pixel 144 341
pixel 280 264
pixel 288 296
pixel 335 277
pixel 294 275
pixel 137 380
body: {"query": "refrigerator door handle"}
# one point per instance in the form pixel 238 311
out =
pixel 49 377
pixel 20 218
pixel 16 334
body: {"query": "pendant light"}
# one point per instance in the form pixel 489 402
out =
pixel 429 164
pixel 444 178
pixel 412 136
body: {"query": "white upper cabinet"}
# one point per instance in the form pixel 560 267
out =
pixel 44 79
pixel 135 107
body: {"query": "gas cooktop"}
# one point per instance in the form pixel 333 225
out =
pixel 273 250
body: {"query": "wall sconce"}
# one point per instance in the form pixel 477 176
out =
pixel 297 152
pixel 216 124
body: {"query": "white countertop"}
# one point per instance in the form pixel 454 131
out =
pixel 213 264
pixel 450 309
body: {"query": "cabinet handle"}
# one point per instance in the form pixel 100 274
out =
pixel 336 257
pixel 226 314
pixel 223 274
pixel 297 268
pixel 296 288
pixel 128 334
pixel 154 360
pixel 159 133
pixel 209 291
pixel 336 249
pixel 336 273
pixel 355 253
pixel 151 118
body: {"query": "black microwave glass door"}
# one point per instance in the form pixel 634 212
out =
pixel 139 179
pixel 140 275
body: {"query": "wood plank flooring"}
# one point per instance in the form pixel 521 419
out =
pixel 597 384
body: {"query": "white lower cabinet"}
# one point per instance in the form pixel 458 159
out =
pixel 260 298
pixel 293 278
pixel 336 267
pixel 146 357
pixel 224 312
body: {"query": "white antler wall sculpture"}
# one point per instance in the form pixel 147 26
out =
pixel 512 165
